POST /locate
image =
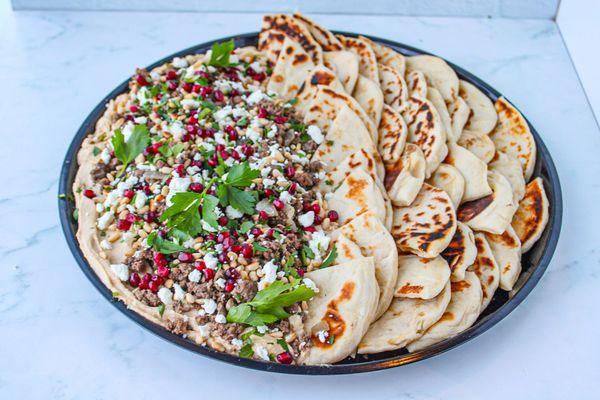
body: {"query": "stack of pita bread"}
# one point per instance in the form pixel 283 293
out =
pixel 431 179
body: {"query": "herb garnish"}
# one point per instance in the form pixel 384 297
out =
pixel 231 190
pixel 126 152
pixel 330 258
pixel 163 246
pixel 220 53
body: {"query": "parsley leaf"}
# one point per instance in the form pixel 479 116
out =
pixel 241 175
pixel 258 247
pixel 242 200
pixel 246 351
pixel 330 258
pixel 246 226
pixel 208 210
pixel 183 213
pixel 163 246
pixel 219 56
pixel 161 309
pixel 95 151
pixel 126 152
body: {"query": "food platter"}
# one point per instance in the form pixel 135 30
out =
pixel 534 262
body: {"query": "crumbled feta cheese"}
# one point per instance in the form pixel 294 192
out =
pixel 189 103
pixel 99 207
pixel 220 282
pixel 309 283
pixel 140 199
pixel 239 112
pixel 222 113
pixel 266 206
pixel 262 353
pixel 121 270
pixel 127 131
pixel 140 120
pixel 261 329
pixel 177 185
pixel 105 220
pixel 237 342
pixel 194 276
pixel 155 75
pixel 256 67
pixel 179 62
pixel 210 260
pixel 272 132
pixel 208 146
pixel 209 306
pixel 105 244
pixel 233 213
pixel 176 129
pixel 203 330
pixel 315 133
pixel 265 172
pixel 256 97
pixel 270 274
pixel 319 243
pixel 322 335
pixel 179 292
pixel 285 196
pixel 253 134
pixel 307 219
pixel 142 95
pixel 165 295
pixel 268 182
pixel 220 319
pixel 105 155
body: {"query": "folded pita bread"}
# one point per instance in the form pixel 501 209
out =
pixel 375 241
pixel 392 135
pixel 472 169
pixel 513 137
pixel 506 249
pixel 315 77
pixel 486 269
pixel 346 250
pixel 387 56
pixel 459 115
pixel 405 321
pixel 290 70
pixel 416 84
pixel 395 91
pixel 510 167
pixel 270 40
pixel 427 226
pixel 425 129
pixel 368 162
pixel 367 61
pixel 344 308
pixel 461 252
pixel 492 213
pixel 450 180
pixel 438 102
pixel 531 217
pixel 421 278
pixel 483 116
pixel 326 104
pixel 438 74
pixel 370 97
pixel 461 313
pixel 345 65
pixel 323 36
pixel 404 178
pixel 358 193
pixel 482 146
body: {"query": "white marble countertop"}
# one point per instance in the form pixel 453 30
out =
pixel 60 339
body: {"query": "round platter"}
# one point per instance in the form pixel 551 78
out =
pixel 534 262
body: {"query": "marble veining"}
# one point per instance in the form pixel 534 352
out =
pixel 60 339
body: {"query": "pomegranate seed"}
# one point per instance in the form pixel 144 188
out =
pixel 159 259
pixel 318 220
pixel 143 285
pixel 269 192
pixel 171 74
pixel 271 233
pixel 316 208
pixel 247 251
pixel 141 80
pixel 256 231
pixel 278 204
pixel 203 74
pixel 187 86
pixel 89 193
pixel 310 229
pixel 223 258
pixel 224 154
pixel 292 188
pixel 263 216
pixel 300 272
pixel 180 169
pixel 200 265
pixel 247 150
pixel 233 135
pixel 134 279
pixel 129 193
pixel 333 216
pixel 229 287
pixel 157 279
pixel 150 216
pixel 123 225
pixel 218 96
pixel 280 119
pixel 209 274
pixel 262 113
pixel 223 220
pixel 211 237
pixel 213 162
pixel 172 85
pixel 185 257
pixel 290 171
pixel 196 187
pixel 284 358
pixel 134 108
pixel 193 120
pixel 205 91
pixel 227 243
pixel 222 236
pixel 196 89
pixel 131 218
pixel 235 154
pixel 153 286
pixel 306 207
pixel 259 77
pixel 236 248
pixel 191 129
pixel 146 278
pixel 163 272
pixel 129 118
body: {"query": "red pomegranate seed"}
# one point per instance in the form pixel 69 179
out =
pixel 229 286
pixel 236 248
pixel 300 272
pixel 141 80
pixel 235 154
pixel 180 169
pixel 129 193
pixel 259 77
pixel 213 162
pixel 234 274
pixel 134 279
pixel 187 86
pixel 247 251
pixel 205 91
pixel 150 216
pixel 159 259
pixel 318 220
pixel 143 285
pixel 196 89
pixel 89 193
pixel 284 358
pixel 134 108
pixel 200 265
pixel 172 85
pixel 222 236
pixel 158 279
pixel 333 216
pixel 153 286
pixel 224 154
pixel 227 243
pixel 269 192
pixel 271 233
pixel 223 258
pixel 131 218
pixel 262 113
pixel 290 171
pixel 223 220
pixel 292 188
pixel 185 257
pixel 256 231
pixel 163 272
pixel 196 187
pixel 171 74
pixel 316 208
pixel 306 207
pixel 123 225
pixel 263 216
pixel 247 150
pixel 233 135
pixel 146 277
pixel 280 119
pixel 193 120
pixel 211 237
pixel 218 96
pixel 278 204
pixel 310 229
pixel 209 274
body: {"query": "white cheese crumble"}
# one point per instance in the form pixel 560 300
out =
pixel 266 206
pixel 165 295
pixel 309 283
pixel 210 260
pixel 209 306
pixel 262 329
pixel 140 199
pixel 256 97
pixel 105 244
pixel 203 330
pixel 233 213
pixel 176 129
pixel 262 353
pixel 105 220
pixel 322 335
pixel 285 196
pixel 179 292
pixel 220 319
pixel 105 155
pixel 315 133
pixel 307 219
pixel 177 185
pixel 179 62
pixel 220 283
pixel 270 274
pixel 319 243
pixel 99 207
pixel 121 270
pixel 194 276
pixel 237 342
pixel 189 103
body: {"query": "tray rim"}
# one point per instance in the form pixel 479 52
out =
pixel 69 167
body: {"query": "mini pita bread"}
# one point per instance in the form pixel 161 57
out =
pixel 280 24
pixel 421 278
pixel 375 241
pixel 313 79
pixel 369 96
pixel 462 312
pixel 438 102
pixel 392 135
pixel 451 181
pixel 461 252
pixel 416 84
pixel 531 217
pixel 438 74
pixel 346 250
pixel 459 115
pixel 426 131
pixel 512 136
pixel 510 167
pixel 405 321
pixel 492 213
pixel 344 307
pixel 387 56
pixel 506 249
pixel 367 61
pixel 483 116
pixel 404 178
pixel 427 226
pixel 345 65
pixel 486 269
pixel 290 70
pixel 472 169
pixel 323 36
pixel 362 159
pixel 482 146
pixel 270 42
pixel 395 91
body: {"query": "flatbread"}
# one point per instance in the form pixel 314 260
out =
pixel 480 145
pixel 450 180
pixel 405 177
pixel 492 213
pixel 370 97
pixel 483 116
pixel 427 226
pixel 461 252
pixel 362 159
pixel 375 241
pixel 367 61
pixel 486 269
pixel 461 313
pixel 506 249
pixel 395 90
pixel 472 169
pixel 392 135
pixel 387 56
pixel 270 43
pixel 345 65
pixel 438 102
pixel 281 24
pixel 405 321
pixel 346 250
pixel 323 36
pixel 421 278
pixel 344 307
pixel 314 78
pixel 438 74
pixel 513 137
pixel 531 217
pixel 510 167
pixel 425 129
pixel 417 84
pixel 459 115
pixel 290 70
